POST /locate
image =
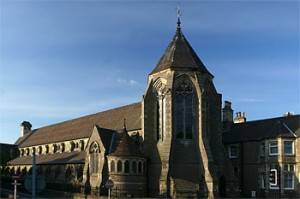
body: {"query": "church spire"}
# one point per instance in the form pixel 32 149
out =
pixel 179 54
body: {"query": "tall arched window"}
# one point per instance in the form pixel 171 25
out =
pixel 126 166
pixel 184 108
pixel 160 91
pixel 94 157
pixel 112 166
pixel 119 166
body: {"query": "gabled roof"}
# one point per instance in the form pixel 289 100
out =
pixel 288 126
pixel 82 127
pixel 180 55
pixel 74 157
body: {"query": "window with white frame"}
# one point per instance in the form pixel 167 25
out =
pixel 288 176
pixel 276 185
pixel 273 148
pixel 233 151
pixel 288 147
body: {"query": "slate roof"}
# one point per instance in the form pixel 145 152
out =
pixel 56 158
pixel 288 126
pixel 180 55
pixel 124 145
pixel 82 127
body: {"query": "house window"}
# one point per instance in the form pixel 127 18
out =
pixel 262 149
pixel 274 168
pixel 233 151
pixel 288 147
pixel 184 105
pixel 94 157
pixel 273 148
pixel 262 180
pixel 288 176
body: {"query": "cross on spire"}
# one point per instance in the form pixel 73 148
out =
pixel 178 11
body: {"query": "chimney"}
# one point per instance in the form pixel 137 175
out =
pixel 25 128
pixel 227 112
pixel 240 117
pixel 287 114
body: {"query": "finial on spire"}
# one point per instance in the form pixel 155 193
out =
pixel 178 17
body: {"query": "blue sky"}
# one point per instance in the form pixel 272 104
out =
pixel 63 59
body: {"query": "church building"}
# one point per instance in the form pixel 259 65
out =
pixel 174 143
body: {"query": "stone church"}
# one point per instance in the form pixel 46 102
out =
pixel 167 145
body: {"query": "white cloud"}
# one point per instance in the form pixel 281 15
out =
pixel 250 100
pixel 129 82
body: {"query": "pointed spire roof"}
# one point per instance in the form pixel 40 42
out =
pixel 180 55
pixel 125 145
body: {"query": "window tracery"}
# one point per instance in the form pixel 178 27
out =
pixel 184 105
pixel 94 157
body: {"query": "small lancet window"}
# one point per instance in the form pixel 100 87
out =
pixel 94 157
pixel 112 166
pixel 126 166
pixel 119 166
pixel 134 167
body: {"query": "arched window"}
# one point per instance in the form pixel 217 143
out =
pixel 94 157
pixel 160 91
pixel 47 149
pixel 140 167
pixel 54 148
pixel 27 151
pixel 81 145
pixel 119 166
pixel 134 167
pixel 40 150
pixel 80 173
pixel 126 166
pixel 22 152
pixel 112 166
pixel 33 150
pixel 72 146
pixel 184 105
pixel 63 147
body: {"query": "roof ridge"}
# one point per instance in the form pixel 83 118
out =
pixel 90 115
pixel 274 118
